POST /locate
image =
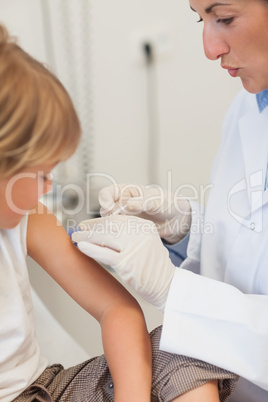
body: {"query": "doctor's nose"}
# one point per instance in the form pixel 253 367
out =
pixel 214 45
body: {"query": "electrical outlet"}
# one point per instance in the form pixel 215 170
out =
pixel 158 36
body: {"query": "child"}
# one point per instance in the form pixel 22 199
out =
pixel 38 129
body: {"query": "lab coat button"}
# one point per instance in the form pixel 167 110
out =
pixel 252 226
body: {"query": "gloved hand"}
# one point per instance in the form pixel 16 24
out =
pixel 170 213
pixel 132 247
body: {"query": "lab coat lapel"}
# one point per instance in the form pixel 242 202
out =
pixel 253 128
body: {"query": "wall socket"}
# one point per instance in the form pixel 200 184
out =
pixel 159 36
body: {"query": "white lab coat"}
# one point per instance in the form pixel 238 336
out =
pixel 221 316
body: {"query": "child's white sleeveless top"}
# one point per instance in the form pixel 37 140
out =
pixel 20 360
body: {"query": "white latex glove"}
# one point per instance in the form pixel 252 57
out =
pixel 132 247
pixel 170 213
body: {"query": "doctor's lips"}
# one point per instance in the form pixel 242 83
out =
pixel 232 71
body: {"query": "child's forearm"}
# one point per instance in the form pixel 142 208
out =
pixel 127 348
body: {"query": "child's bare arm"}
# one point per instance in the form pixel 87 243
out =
pixel 125 338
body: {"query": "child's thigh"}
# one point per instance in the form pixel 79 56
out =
pixel 173 375
pixel 88 381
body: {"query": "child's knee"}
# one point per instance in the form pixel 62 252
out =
pixel 205 393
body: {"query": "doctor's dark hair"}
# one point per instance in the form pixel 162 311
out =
pixel 38 122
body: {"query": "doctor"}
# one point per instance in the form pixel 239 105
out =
pixel 216 303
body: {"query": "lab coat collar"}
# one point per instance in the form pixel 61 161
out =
pixel 253 127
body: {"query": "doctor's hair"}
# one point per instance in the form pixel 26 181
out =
pixel 38 122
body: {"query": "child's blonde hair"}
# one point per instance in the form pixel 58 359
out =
pixel 38 122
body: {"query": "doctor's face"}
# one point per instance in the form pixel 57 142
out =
pixel 236 31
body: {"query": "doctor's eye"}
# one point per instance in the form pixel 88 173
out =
pixel 226 21
pixel 200 19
